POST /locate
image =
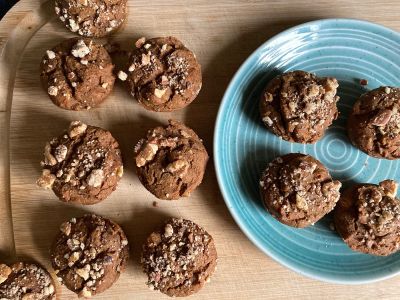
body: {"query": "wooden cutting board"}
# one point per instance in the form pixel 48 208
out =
pixel 222 34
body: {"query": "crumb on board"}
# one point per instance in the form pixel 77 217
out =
pixel 155 204
pixel 363 81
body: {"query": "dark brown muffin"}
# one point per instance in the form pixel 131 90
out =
pixel 179 258
pixel 92 18
pixel 89 254
pixel 367 217
pixel 163 75
pixel 83 165
pixel 297 190
pixel 171 161
pixel 299 107
pixel 77 74
pixel 26 281
pixel 374 124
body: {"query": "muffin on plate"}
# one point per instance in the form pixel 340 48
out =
pixel 297 190
pixel 367 217
pixel 299 106
pixel 374 124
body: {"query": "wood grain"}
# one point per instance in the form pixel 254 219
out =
pixel 222 34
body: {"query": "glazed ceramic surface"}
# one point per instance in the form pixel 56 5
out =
pixel 349 50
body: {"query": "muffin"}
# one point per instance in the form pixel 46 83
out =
pixel 83 165
pixel 367 217
pixel 88 254
pixel 92 18
pixel 163 75
pixel 179 258
pixel 171 161
pixel 77 74
pixel 25 281
pixel 299 106
pixel 297 190
pixel 374 124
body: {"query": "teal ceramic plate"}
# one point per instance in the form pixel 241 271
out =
pixel 349 50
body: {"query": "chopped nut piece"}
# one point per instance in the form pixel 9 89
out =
pixel 50 54
pixel 47 179
pixel 80 49
pixel 147 154
pixel 73 25
pixel 382 117
pixel 95 178
pixel 268 121
pixel 131 68
pixel 140 42
pixel 84 272
pixel 48 290
pixel 85 293
pixel 177 165
pixel 49 159
pixel 169 231
pixel 76 128
pixel 66 228
pixel 120 171
pixel 159 93
pixel 145 59
pixel 301 202
pixel 5 271
pixel 122 75
pixel 389 187
pixel 52 91
pixel 387 90
pixel 73 258
pixel 60 153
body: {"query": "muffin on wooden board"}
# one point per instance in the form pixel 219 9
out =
pixel 77 74
pixel 83 165
pixel 179 258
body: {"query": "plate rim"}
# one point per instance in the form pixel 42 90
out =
pixel 218 167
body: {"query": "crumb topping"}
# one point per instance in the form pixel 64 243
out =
pixel 25 281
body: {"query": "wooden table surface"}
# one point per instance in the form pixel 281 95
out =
pixel 223 34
